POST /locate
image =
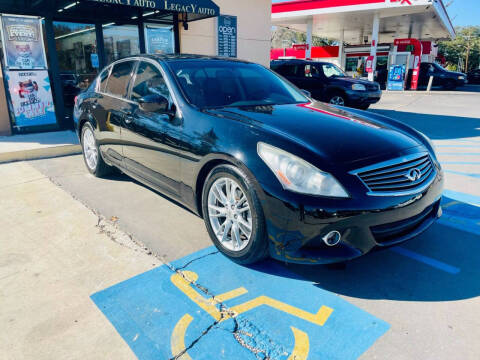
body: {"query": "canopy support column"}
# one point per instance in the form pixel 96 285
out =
pixel 373 49
pixel 341 55
pixel 308 52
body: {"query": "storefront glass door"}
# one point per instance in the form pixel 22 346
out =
pixel 76 48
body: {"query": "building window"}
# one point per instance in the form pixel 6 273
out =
pixel 120 41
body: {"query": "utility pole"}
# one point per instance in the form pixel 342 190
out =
pixel 469 46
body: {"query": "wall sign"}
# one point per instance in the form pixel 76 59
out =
pixel 23 43
pixel 200 7
pixel 31 98
pixel 227 36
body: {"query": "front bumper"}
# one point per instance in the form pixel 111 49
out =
pixel 359 98
pixel 295 231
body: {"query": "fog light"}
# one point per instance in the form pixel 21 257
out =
pixel 332 238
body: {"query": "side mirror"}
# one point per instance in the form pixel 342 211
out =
pixel 157 104
pixel 306 93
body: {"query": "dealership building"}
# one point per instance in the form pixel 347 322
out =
pixel 386 31
pixel 78 38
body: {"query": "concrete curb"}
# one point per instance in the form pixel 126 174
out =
pixel 416 93
pixel 41 153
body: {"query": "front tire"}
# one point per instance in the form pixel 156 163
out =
pixel 91 153
pixel 450 85
pixel 234 216
pixel 337 98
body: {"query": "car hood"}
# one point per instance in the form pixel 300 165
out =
pixel 351 80
pixel 336 135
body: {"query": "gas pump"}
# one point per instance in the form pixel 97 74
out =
pixel 411 58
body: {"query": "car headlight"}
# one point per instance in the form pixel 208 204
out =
pixel 359 87
pixel 461 77
pixel 299 176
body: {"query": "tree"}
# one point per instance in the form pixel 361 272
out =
pixel 464 50
pixel 284 38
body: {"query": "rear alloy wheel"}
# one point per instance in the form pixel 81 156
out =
pixel 337 99
pixel 91 153
pixel 233 215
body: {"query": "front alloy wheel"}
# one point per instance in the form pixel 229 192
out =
pixel 233 215
pixel 337 100
pixel 230 214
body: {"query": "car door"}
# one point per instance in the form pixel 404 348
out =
pixel 151 138
pixel 426 70
pixel 117 107
pixel 311 79
pixel 475 77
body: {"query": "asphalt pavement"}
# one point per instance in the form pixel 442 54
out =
pixel 417 301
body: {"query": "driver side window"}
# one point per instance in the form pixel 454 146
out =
pixel 149 81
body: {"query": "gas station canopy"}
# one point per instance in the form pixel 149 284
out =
pixel 352 20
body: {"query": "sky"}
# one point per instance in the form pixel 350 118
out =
pixel 464 12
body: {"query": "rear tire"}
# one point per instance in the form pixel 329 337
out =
pixel 234 216
pixel 91 153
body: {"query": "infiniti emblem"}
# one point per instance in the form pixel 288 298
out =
pixel 414 175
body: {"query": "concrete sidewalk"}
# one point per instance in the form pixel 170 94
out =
pixel 54 254
pixel 38 146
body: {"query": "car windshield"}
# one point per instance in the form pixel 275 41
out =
pixel 438 67
pixel 217 84
pixel 331 70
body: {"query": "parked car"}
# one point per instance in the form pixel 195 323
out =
pixel 474 77
pixel 448 80
pixel 271 171
pixel 328 83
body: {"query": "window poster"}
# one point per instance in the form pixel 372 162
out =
pixel 31 98
pixel 23 43
pixel 160 40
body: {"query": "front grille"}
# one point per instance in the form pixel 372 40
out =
pixel 400 176
pixel 373 87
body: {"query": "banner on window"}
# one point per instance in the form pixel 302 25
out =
pixel 23 43
pixel 160 40
pixel 31 98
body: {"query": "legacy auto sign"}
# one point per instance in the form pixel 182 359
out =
pixel 178 6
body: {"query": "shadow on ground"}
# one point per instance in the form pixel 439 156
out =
pixel 389 275
pixel 437 127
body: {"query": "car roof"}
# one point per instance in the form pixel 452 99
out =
pixel 183 57
pixel 299 61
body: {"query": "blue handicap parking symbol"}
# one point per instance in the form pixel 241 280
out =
pixel 255 312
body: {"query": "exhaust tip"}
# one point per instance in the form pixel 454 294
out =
pixel 332 238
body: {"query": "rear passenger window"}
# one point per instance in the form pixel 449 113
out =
pixel 288 70
pixel 119 79
pixel 102 80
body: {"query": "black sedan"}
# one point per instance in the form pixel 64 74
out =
pixel 271 171
pixel 327 82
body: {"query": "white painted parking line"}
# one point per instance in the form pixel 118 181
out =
pixel 426 260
